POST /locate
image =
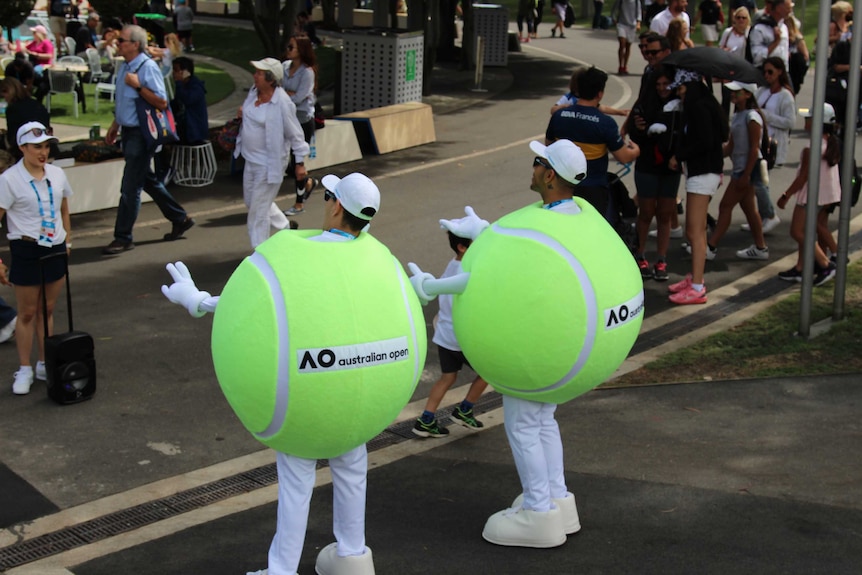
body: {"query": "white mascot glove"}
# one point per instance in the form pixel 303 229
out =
pixel 656 129
pixel 183 291
pixel 468 227
pixel 417 279
pixel 672 106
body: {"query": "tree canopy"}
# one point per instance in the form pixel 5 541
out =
pixel 13 13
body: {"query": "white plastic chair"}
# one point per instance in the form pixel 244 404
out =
pixel 62 83
pixel 104 88
pixel 70 45
pixel 94 61
pixel 169 84
pixel 5 61
pixel 72 60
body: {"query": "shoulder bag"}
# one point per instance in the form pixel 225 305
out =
pixel 158 126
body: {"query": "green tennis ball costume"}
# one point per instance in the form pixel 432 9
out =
pixel 553 305
pixel 314 357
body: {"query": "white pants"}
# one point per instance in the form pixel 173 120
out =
pixel 534 437
pixel 259 197
pixel 295 483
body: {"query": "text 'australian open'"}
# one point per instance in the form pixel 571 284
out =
pixel 352 356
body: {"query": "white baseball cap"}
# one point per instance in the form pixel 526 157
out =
pixel 565 157
pixel 828 113
pixel 358 195
pixel 734 86
pixel 270 65
pixel 33 133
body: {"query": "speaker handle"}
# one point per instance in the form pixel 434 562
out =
pixel 42 260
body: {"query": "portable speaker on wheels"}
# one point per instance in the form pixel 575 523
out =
pixel 70 361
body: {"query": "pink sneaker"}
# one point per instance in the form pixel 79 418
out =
pixel 680 286
pixel 688 296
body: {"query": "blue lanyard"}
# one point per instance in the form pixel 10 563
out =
pixel 341 233
pixel 39 200
pixel 555 204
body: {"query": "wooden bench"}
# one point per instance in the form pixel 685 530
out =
pixel 390 128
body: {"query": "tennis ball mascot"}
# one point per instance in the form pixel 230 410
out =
pixel 549 306
pixel 318 342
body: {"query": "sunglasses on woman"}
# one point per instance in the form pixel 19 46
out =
pixel 38 132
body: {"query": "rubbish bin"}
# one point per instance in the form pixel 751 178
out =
pixel 379 68
pixel 491 21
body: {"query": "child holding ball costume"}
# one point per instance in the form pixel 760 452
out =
pixel 562 350
pixel 461 234
pixel 350 203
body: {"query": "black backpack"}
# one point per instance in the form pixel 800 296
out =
pixel 766 20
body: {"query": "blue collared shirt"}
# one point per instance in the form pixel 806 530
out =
pixel 151 78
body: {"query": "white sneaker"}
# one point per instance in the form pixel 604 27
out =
pixel 23 380
pixel 770 224
pixel 525 528
pixel 571 521
pixel 330 563
pixel 710 253
pixel 8 330
pixel 753 252
pixel 41 374
pixel 675 233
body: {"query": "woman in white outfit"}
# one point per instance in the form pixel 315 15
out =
pixel 269 132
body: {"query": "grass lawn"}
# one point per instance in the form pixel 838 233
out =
pixel 765 345
pixel 219 86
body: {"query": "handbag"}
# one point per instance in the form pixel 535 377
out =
pixel 158 126
pixel 228 134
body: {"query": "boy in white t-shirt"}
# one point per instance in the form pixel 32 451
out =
pixel 452 358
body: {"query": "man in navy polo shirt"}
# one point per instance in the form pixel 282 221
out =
pixel 596 134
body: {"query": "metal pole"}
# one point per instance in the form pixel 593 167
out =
pixel 480 63
pixel 848 153
pixel 814 170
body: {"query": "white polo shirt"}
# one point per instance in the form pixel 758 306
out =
pixel 21 201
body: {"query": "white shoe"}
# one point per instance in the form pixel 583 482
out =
pixel 525 528
pixel 330 563
pixel 23 380
pixel 260 572
pixel 753 252
pixel 8 330
pixel 675 233
pixel 770 224
pixel 41 374
pixel 710 253
pixel 571 521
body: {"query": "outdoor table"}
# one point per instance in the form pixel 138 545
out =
pixel 80 70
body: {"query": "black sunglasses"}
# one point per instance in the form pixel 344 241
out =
pixel 539 161
pixel 769 72
pixel 38 132
pixel 121 40
pixel 652 52
pixel 327 195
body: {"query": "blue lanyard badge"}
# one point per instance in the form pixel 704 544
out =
pixel 555 204
pixel 341 233
pixel 48 228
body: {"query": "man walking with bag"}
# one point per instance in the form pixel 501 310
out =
pixel 141 78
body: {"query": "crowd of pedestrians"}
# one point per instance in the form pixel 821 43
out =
pixel 669 140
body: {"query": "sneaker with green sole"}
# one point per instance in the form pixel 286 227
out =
pixel 432 429
pixel 466 418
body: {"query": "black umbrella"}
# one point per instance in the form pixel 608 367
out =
pixel 716 63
